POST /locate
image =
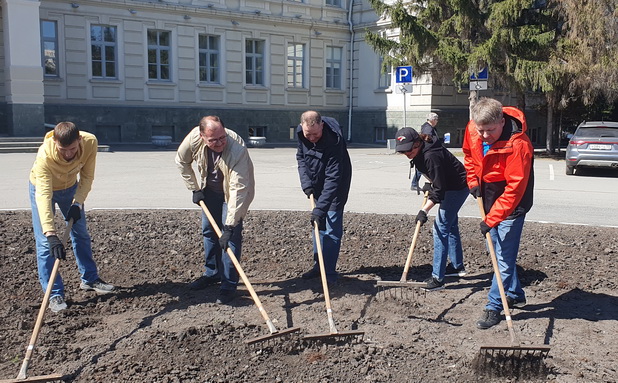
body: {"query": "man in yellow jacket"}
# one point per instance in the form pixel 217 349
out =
pixel 65 153
pixel 227 188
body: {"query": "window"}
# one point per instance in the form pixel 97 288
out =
pixel 158 55
pixel 460 136
pixel 296 65
pixel 49 45
pixel 254 62
pixel 103 49
pixel 336 3
pixel 385 77
pixel 333 67
pixel 209 58
pixel 380 134
pixel 257 131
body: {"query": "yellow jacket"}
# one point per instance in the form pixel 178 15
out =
pixel 51 172
pixel 235 164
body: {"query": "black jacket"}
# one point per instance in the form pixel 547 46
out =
pixel 444 170
pixel 325 166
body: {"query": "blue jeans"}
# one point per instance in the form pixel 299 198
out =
pixel 218 262
pixel 80 238
pixel 506 237
pixel 446 239
pixel 415 178
pixel 331 243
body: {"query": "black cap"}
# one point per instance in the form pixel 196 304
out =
pixel 405 138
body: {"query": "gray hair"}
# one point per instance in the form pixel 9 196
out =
pixel 486 111
pixel 432 116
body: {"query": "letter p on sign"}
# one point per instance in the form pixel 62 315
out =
pixel 403 75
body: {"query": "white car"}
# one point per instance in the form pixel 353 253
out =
pixel 594 144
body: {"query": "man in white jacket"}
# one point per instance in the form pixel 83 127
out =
pixel 227 187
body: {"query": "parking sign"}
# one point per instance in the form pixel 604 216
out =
pixel 403 74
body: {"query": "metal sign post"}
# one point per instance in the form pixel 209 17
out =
pixel 403 78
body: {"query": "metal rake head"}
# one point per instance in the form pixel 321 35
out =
pixel 400 292
pixel 512 362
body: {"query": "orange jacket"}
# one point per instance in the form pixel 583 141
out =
pixel 505 174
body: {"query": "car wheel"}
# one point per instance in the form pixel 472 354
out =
pixel 570 170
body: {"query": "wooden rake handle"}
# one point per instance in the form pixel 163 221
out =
pixel 318 243
pixel 494 262
pixel 39 320
pixel 243 276
pixel 406 268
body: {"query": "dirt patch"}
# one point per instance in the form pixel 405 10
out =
pixel 156 330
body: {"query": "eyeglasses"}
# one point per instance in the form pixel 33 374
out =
pixel 215 140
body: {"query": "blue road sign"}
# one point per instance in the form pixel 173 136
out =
pixel 482 75
pixel 403 74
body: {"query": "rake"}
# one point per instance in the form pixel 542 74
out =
pixel 334 333
pixel 403 281
pixel 23 372
pixel 274 332
pixel 516 354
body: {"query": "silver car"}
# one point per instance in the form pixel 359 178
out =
pixel 594 144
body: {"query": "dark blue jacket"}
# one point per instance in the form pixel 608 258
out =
pixel 325 166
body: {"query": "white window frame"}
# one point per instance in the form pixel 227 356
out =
pixel 53 40
pixel 334 80
pixel 103 45
pixel 208 53
pixel 158 48
pixel 296 66
pixel 258 63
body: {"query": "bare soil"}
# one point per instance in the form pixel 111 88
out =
pixel 154 329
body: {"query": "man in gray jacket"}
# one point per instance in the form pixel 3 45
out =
pixel 227 187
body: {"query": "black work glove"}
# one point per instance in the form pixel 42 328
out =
pixel 484 228
pixel 56 247
pixel 225 236
pixel 427 187
pixel 321 221
pixel 421 217
pixel 75 212
pixel 198 195
pixel 308 191
pixel 475 192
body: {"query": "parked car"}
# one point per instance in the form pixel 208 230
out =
pixel 594 144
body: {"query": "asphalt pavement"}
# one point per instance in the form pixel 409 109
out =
pixel 147 178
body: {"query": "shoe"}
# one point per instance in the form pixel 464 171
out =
pixel 433 284
pixel 203 282
pixel 98 286
pixel 226 296
pixel 453 272
pixel 515 303
pixel 489 319
pixel 57 303
pixel 311 274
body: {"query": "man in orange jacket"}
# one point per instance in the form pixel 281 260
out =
pixel 498 157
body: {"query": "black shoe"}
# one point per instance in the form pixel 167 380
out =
pixel 203 282
pixel 489 319
pixel 453 272
pixel 311 274
pixel 515 302
pixel 226 296
pixel 433 284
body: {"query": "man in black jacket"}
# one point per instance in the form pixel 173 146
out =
pixel 325 171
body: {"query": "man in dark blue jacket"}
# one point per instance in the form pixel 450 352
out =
pixel 325 171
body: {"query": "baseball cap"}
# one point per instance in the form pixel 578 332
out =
pixel 405 138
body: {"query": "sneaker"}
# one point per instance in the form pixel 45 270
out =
pixel 226 296
pixel 489 319
pixel 98 286
pixel 57 303
pixel 515 302
pixel 433 284
pixel 203 282
pixel 453 272
pixel 311 274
